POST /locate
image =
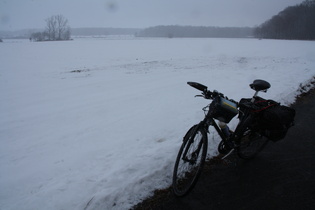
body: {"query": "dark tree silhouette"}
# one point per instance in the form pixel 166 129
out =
pixel 295 22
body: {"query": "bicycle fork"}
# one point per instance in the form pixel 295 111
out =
pixel 190 141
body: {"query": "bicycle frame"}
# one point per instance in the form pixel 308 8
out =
pixel 236 135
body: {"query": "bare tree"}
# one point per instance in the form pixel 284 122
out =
pixel 62 27
pixel 51 26
pixel 57 28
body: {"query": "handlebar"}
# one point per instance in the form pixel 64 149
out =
pixel 207 94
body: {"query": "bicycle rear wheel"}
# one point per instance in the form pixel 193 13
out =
pixel 251 144
pixel 190 160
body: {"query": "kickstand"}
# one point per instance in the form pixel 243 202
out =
pixel 228 154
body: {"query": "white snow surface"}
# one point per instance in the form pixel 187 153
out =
pixel 96 123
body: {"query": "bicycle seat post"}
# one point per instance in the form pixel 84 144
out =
pixel 253 99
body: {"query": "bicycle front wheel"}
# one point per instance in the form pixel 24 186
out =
pixel 190 160
pixel 251 144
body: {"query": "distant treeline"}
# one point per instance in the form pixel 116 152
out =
pixel 196 31
pixel 103 31
pixel 295 22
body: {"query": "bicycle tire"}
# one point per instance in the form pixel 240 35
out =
pixel 188 169
pixel 251 144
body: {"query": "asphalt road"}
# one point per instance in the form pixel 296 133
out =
pixel 282 176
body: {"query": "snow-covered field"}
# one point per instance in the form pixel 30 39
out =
pixel 97 123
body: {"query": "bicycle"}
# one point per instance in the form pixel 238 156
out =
pixel 248 139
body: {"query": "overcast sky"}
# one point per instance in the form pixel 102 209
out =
pixel 25 14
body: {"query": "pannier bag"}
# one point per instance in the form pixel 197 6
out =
pixel 223 109
pixel 276 120
pixel 273 120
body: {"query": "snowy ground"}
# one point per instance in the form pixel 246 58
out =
pixel 97 123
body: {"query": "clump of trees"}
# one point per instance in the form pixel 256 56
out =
pixel 57 28
pixel 295 22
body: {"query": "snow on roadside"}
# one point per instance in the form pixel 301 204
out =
pixel 96 124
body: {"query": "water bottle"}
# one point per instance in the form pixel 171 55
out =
pixel 224 128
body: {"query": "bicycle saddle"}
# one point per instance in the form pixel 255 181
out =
pixel 260 85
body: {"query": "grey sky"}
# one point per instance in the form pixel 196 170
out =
pixel 23 14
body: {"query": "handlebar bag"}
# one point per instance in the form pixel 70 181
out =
pixel 223 109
